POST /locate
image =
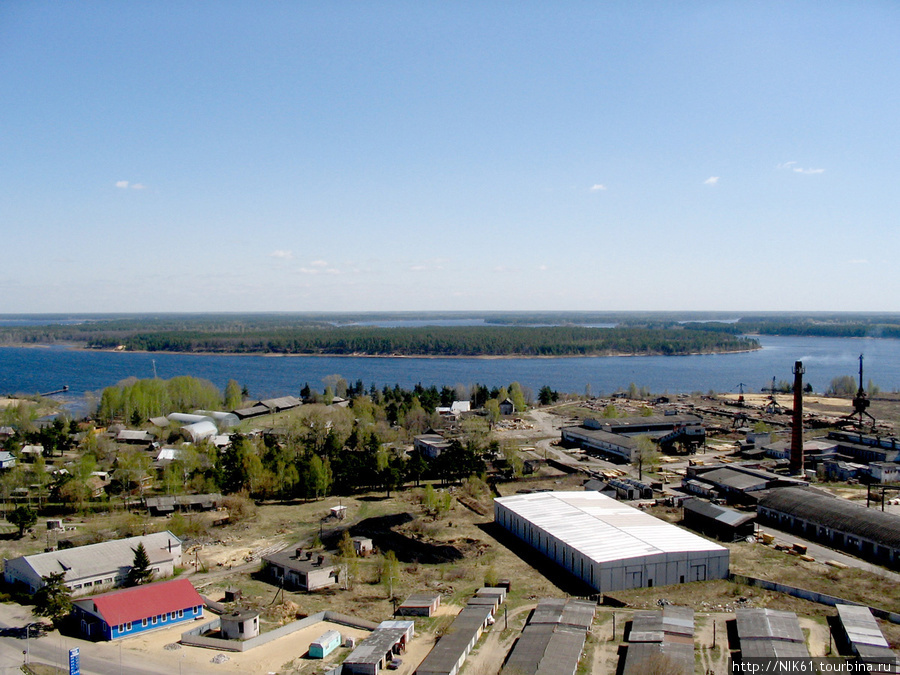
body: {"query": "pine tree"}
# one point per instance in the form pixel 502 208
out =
pixel 140 572
pixel 53 599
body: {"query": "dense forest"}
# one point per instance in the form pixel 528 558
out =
pixel 437 341
pixel 468 334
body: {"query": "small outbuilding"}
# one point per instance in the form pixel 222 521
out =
pixel 363 546
pixel 324 644
pixel 241 624
pixel 420 604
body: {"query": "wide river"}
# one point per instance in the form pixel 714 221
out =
pixel 44 369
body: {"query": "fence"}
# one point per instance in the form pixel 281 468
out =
pixel 195 638
pixel 812 596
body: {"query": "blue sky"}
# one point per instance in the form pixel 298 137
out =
pixel 293 156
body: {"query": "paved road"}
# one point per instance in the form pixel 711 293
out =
pixel 96 658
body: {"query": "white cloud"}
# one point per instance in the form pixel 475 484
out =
pixel 712 180
pixel 418 268
pixel 598 187
pixel 319 263
pixel 283 255
pixel 543 268
pixel 123 184
pixel 138 186
pixel 858 261
pixel 789 166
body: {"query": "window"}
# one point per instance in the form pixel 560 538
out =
pixel 121 627
pixel 128 626
pixel 154 619
pixel 172 616
pixel 76 586
pixel 180 613
pixel 143 623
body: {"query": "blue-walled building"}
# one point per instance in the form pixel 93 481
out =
pixel 109 616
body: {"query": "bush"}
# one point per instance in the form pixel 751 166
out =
pixel 240 507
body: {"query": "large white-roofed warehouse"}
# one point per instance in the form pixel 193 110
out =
pixel 609 545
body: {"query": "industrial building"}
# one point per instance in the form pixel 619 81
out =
pixel 841 524
pixel 609 545
pixel 552 641
pixel 596 441
pixel 95 567
pixel 733 482
pixel 651 425
pixel 661 641
pixel 769 633
pixel 294 568
pixel 716 521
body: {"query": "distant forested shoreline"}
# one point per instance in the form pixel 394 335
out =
pixel 438 341
pixel 229 335
pixel 489 334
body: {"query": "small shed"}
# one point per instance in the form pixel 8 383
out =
pixel 324 644
pixel 420 604
pixel 363 546
pixel 241 624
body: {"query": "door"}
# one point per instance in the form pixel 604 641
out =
pixel 698 572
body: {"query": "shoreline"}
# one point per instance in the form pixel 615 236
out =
pixel 78 347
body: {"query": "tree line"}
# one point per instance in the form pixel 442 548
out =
pixel 436 341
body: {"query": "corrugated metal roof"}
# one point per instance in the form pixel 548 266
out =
pixel 326 638
pixel 107 557
pixel 600 436
pixel 769 633
pixel 670 657
pixel 860 626
pixel 374 648
pixel 448 651
pixel 143 602
pixel 835 513
pixel 421 600
pixel 603 529
pixel 734 479
pixel 552 642
pixel 720 514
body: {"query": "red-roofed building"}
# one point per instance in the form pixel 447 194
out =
pixel 134 610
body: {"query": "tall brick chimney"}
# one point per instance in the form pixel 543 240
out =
pixel 797 423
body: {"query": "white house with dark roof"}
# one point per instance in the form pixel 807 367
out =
pixel 95 566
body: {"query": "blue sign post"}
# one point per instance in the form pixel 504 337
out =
pixel 74 667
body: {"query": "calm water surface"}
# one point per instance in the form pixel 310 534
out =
pixel 44 369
